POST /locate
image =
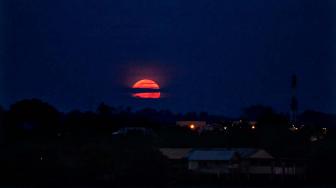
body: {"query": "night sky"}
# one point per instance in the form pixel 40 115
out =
pixel 216 56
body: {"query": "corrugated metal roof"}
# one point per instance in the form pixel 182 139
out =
pixel 220 154
pixel 175 153
pixel 245 152
pixel 211 155
pixel 261 154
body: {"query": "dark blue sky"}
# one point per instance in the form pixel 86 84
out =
pixel 217 56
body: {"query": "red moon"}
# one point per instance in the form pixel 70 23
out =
pixel 147 84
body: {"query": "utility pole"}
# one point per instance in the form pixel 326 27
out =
pixel 294 101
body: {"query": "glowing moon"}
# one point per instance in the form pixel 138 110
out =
pixel 149 87
pixel 146 84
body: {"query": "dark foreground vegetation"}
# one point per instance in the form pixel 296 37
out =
pixel 42 146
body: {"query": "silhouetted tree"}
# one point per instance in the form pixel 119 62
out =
pixel 319 119
pixel 32 117
pixel 190 116
pixel 105 110
pixel 2 123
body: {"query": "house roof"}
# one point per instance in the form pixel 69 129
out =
pixel 175 153
pixel 261 154
pixel 224 154
pixel 211 155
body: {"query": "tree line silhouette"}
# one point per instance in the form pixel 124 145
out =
pixel 42 145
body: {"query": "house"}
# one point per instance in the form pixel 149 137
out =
pixel 178 160
pixel 228 161
pixel 176 153
pixel 248 161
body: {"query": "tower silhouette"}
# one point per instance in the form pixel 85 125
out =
pixel 294 101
